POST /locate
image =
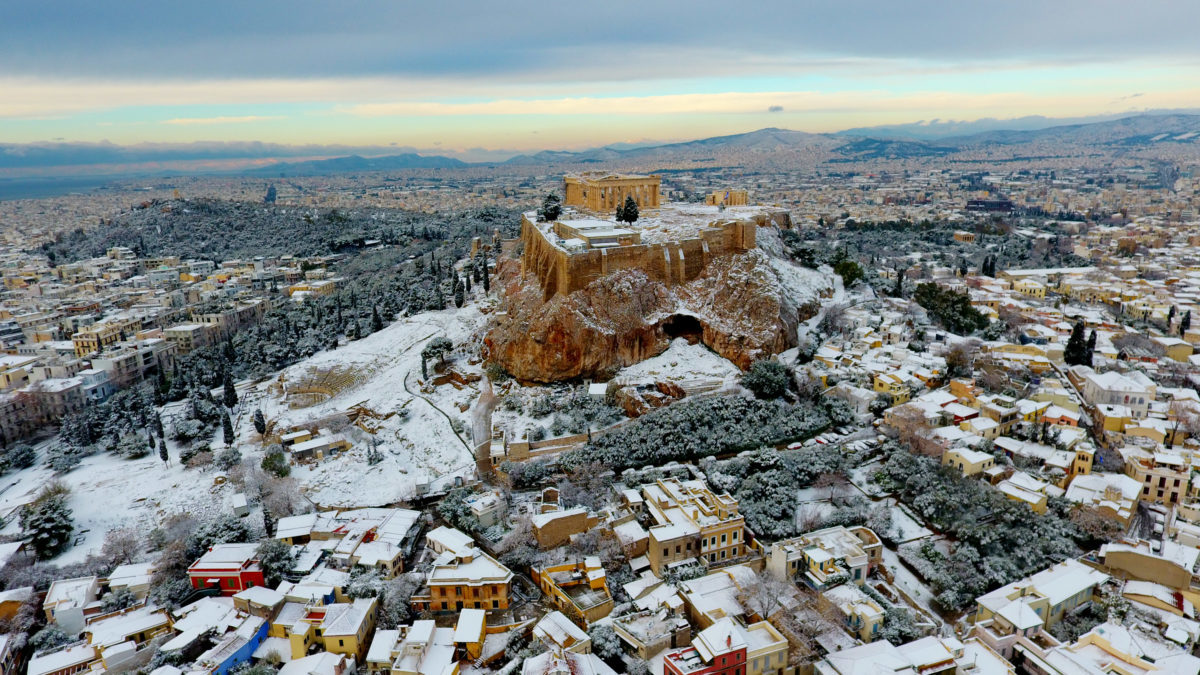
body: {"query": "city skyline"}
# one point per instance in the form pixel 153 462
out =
pixel 480 83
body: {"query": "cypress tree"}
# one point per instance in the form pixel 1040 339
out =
pixel 231 398
pixel 459 295
pixel 487 285
pixel 162 452
pixel 1090 351
pixel 1185 323
pixel 227 428
pixel 376 320
pixel 260 422
pixel 1075 353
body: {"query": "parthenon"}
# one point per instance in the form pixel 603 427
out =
pixel 601 191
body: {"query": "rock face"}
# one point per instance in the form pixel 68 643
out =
pixel 744 307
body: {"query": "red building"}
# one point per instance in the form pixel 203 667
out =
pixel 231 567
pixel 719 649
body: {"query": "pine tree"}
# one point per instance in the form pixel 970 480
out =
pixel 1075 353
pixel 551 208
pixel 230 398
pixel 1090 352
pixel 226 428
pixel 459 295
pixel 268 522
pixel 631 210
pixel 1185 323
pixel 260 422
pixel 48 522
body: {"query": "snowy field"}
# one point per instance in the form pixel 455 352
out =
pixel 419 445
pixel 108 492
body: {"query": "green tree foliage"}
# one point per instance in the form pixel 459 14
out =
pixel 551 208
pixel 227 429
pixel 460 295
pixel 1075 353
pixel 230 397
pixel 950 308
pixel 628 211
pixel 695 428
pixel 437 348
pixel 454 510
pixel 260 422
pixel 767 378
pixel 48 521
pixel 276 463
pixel 850 272
pixel 276 559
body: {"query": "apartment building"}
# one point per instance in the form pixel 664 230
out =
pixel 822 557
pixel 692 522
pixel 462 576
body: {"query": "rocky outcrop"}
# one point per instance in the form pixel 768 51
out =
pixel 743 306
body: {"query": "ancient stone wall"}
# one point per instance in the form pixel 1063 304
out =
pixel 669 262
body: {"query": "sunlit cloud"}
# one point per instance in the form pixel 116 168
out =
pixel 221 119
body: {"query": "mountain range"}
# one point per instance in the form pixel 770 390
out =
pixel 770 146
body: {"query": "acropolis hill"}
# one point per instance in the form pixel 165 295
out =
pixel 589 295
pixel 670 243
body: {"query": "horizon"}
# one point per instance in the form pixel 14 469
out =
pixel 482 84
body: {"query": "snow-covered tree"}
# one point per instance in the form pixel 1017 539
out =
pixel 48 521
pixel 276 559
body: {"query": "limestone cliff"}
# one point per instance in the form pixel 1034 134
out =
pixel 743 306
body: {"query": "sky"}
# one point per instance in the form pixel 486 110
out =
pixel 486 79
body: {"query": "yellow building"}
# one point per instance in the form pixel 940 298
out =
pixel 578 589
pixel 341 628
pixel 693 522
pixel 94 338
pixel 1030 287
pixel 894 386
pixel 727 198
pixel 601 191
pixel 462 576
pixel 968 462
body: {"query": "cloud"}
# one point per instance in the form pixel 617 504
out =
pixel 775 109
pixel 528 40
pixel 187 121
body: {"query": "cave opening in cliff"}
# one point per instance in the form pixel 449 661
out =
pixel 683 326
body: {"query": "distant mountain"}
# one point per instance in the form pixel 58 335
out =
pixel 938 129
pixel 768 140
pixel 1136 130
pixel 356 163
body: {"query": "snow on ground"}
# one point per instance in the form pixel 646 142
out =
pixel 109 492
pixel 419 445
pixel 906 581
pixel 682 362
pixel 905 528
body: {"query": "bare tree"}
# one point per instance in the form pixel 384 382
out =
pixel 765 596
pixel 1186 416
pixel 835 482
pixel 121 546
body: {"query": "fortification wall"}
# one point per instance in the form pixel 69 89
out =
pixel 668 262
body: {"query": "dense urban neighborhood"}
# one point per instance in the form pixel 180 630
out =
pixel 893 413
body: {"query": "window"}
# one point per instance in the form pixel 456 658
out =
pixel 341 643
pixel 666 552
pixel 678 549
pixel 735 535
pixel 723 538
pixel 495 604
